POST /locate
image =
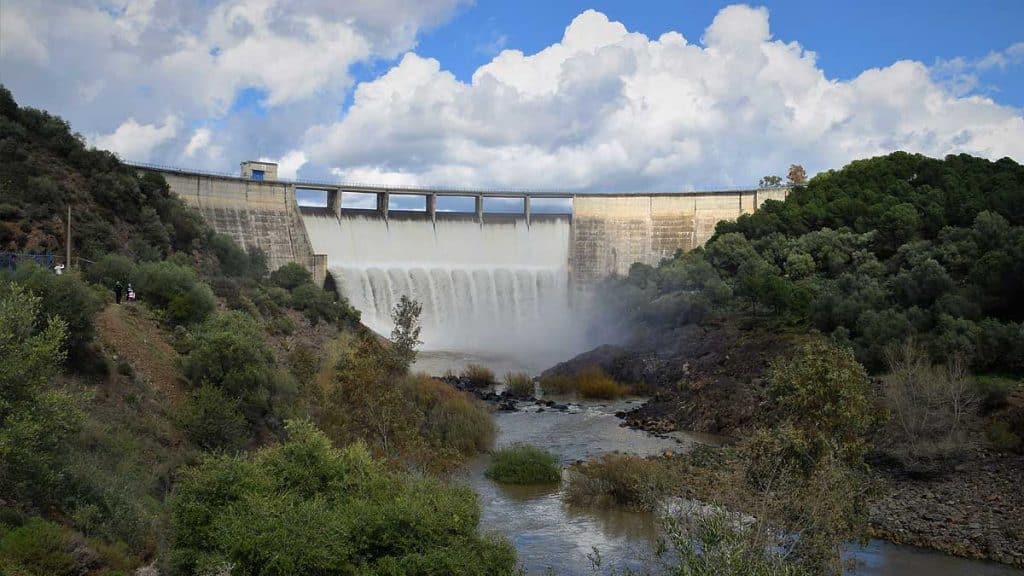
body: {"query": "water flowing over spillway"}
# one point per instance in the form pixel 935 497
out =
pixel 499 287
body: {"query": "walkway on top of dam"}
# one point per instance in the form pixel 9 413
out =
pixel 442 190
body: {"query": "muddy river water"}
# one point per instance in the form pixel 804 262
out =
pixel 554 538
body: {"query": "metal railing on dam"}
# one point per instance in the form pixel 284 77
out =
pixel 448 190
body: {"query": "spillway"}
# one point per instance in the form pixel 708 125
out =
pixel 497 287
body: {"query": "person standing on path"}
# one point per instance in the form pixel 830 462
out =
pixel 118 288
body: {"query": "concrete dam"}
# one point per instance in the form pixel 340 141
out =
pixel 494 271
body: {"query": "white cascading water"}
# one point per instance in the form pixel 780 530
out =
pixel 494 288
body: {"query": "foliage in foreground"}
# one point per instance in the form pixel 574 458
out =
pixel 524 464
pixel 306 508
pixel 37 418
pixel 796 490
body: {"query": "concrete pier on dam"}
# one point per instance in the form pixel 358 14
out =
pixel 474 259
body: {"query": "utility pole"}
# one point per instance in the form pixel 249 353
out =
pixel 67 242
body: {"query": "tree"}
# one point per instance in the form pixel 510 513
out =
pixel 405 337
pixel 36 418
pixel 770 181
pixel 796 175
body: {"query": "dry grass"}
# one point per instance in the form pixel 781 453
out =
pixel 519 384
pixel 591 383
pixel 452 419
pixel 594 383
pixel 478 375
pixel 558 384
pixel 618 480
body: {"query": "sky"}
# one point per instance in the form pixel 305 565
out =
pixel 563 95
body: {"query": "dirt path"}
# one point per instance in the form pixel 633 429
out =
pixel 129 334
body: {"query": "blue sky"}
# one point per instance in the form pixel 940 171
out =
pixel 848 36
pixel 383 91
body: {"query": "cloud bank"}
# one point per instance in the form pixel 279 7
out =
pixel 206 86
pixel 609 109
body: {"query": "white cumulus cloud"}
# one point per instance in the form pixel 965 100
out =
pixel 610 109
pixel 134 141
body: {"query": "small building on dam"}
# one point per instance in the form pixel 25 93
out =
pixel 474 259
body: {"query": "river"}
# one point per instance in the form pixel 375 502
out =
pixel 552 537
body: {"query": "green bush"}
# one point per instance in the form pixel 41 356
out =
pixel 1002 437
pixel 37 419
pixel 478 375
pixel 110 269
pixel 319 304
pixel 159 283
pixel 994 390
pixel 291 276
pixel 193 306
pixel 68 297
pixel 212 420
pixel 38 548
pixel 304 507
pixel 524 464
pixel 229 352
pixel 519 384
pixel 617 480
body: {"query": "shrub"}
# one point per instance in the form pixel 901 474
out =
pixel 519 384
pixel 478 375
pixel 452 419
pixel 716 542
pixel 291 276
pixel 38 548
pixel 281 325
pixel 212 420
pixel 929 405
pixel 110 269
pixel 317 303
pixel 994 390
pixel 1001 437
pixel 229 352
pixel 193 306
pixel 594 383
pixel 558 384
pixel 826 395
pixel 524 464
pixel 37 419
pixel 68 297
pixel 175 288
pixel 617 480
pixel 304 507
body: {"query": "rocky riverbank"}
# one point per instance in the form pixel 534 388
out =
pixel 976 510
pixel 712 379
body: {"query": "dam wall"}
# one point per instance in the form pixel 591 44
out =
pixel 510 279
pixel 496 285
pixel 612 231
pixel 264 214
